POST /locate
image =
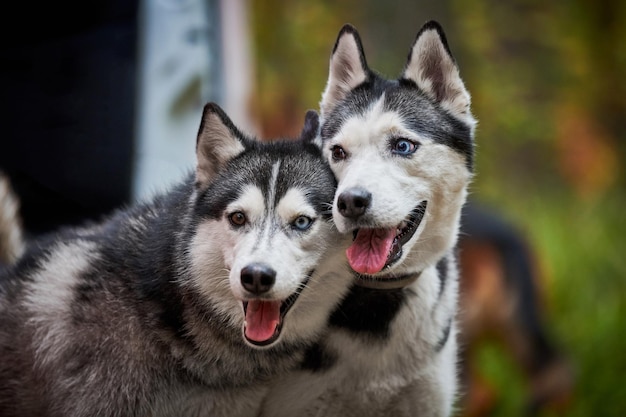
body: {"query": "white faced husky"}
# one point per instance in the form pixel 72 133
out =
pixel 402 153
pixel 184 305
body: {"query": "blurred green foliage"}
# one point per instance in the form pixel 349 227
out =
pixel 547 85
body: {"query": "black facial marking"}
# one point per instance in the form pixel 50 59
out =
pixel 442 274
pixel 421 115
pixel 417 110
pixel 356 102
pixel 445 336
pixel 301 165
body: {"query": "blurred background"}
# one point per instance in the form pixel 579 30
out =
pixel 101 102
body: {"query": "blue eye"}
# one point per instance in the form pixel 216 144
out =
pixel 403 146
pixel 302 223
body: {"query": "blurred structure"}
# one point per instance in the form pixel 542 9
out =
pixel 101 103
pixel 180 69
pixel 501 302
pixel 67 103
pixel 190 52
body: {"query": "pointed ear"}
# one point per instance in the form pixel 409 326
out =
pixel 311 126
pixel 431 66
pixel 348 68
pixel 218 142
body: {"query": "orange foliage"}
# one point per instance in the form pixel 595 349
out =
pixel 587 158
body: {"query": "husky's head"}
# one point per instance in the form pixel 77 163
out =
pixel 402 153
pixel 263 215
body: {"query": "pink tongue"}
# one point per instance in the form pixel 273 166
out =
pixel 262 318
pixel 369 251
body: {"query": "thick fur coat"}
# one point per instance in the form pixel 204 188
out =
pixel 185 305
pixel 402 153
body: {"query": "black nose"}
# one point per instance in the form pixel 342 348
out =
pixel 354 202
pixel 258 278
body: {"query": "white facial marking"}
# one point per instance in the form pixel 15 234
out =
pixel 273 241
pixel 211 244
pixel 293 204
pixel 273 184
pixel 434 173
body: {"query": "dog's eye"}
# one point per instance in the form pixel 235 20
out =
pixel 338 153
pixel 302 223
pixel 403 146
pixel 237 219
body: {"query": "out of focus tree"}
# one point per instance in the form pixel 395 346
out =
pixel 545 77
pixel 292 41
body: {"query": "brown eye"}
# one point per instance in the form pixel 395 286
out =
pixel 237 219
pixel 338 153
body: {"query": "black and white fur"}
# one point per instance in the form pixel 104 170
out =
pixel 402 153
pixel 142 314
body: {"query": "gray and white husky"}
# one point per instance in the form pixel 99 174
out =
pixel 184 305
pixel 402 154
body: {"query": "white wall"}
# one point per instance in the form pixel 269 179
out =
pixel 191 52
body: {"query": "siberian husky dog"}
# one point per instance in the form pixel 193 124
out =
pixel 402 153
pixel 185 305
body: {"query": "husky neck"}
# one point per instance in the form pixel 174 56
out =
pixel 395 282
pixel 369 312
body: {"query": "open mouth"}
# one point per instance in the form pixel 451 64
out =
pixel 264 318
pixel 374 249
